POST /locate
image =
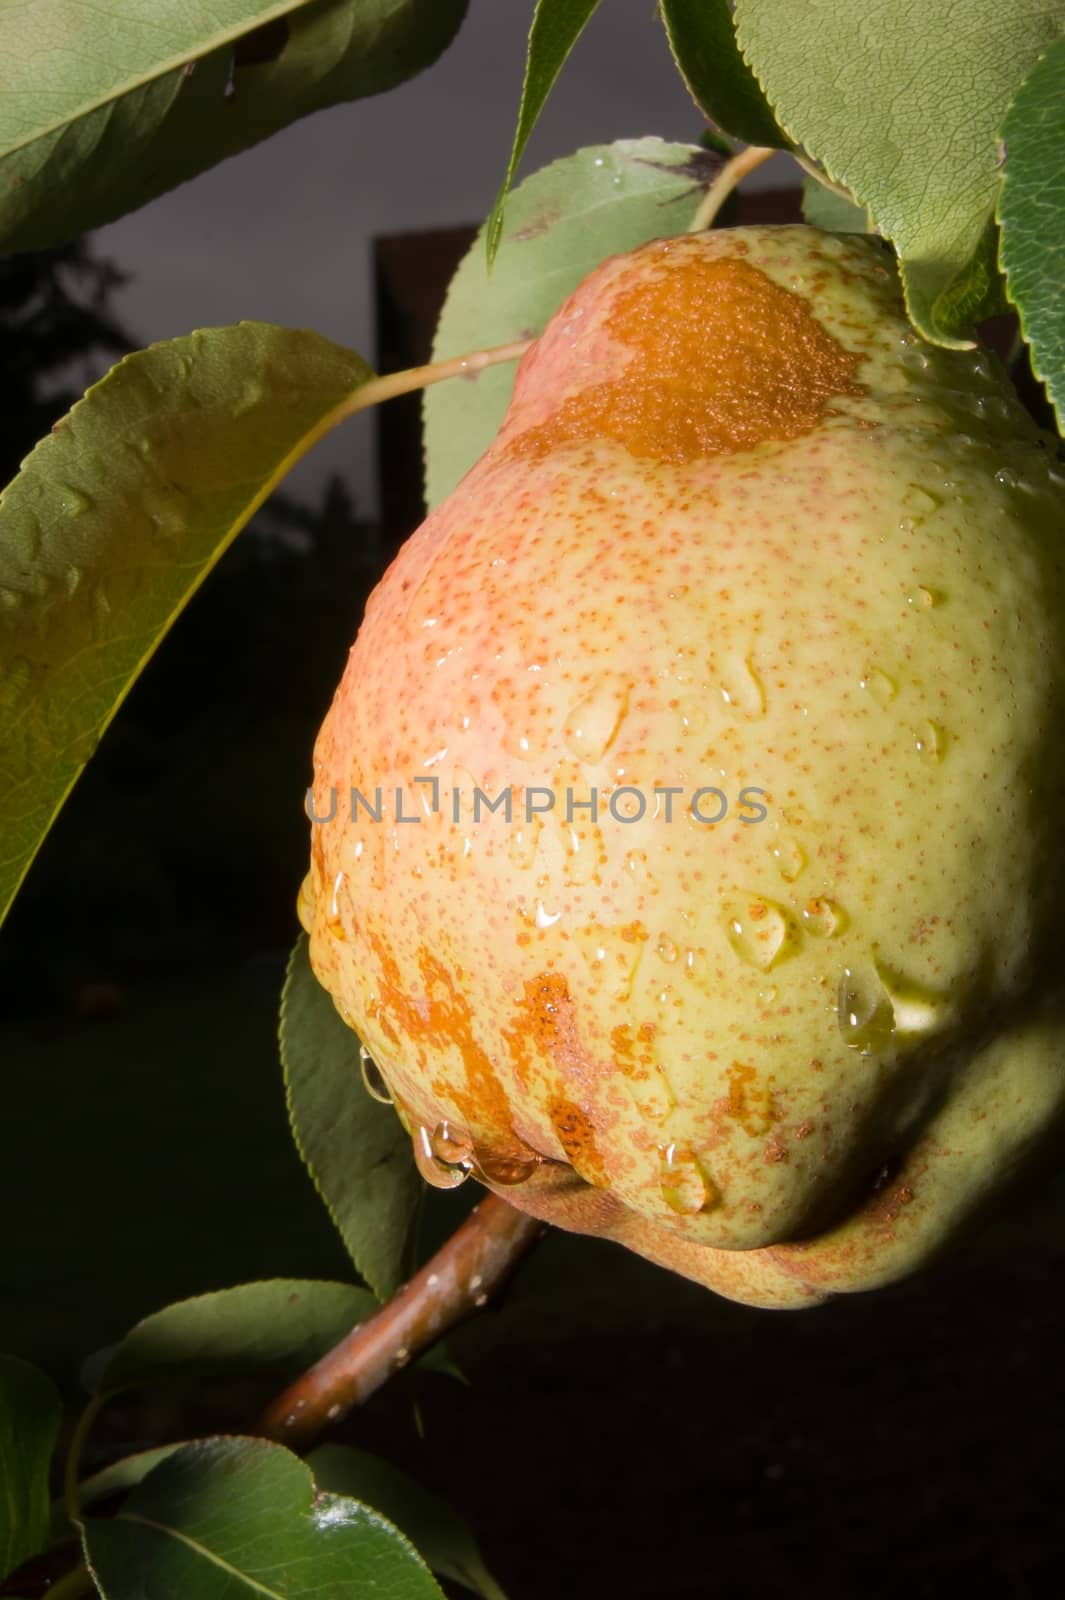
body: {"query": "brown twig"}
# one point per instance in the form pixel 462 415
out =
pixel 460 1278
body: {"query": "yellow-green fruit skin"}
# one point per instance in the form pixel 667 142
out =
pixel 789 1056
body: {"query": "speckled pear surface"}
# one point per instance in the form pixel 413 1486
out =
pixel 743 541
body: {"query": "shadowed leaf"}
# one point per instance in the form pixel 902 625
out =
pixel 281 1327
pixel 1032 216
pixel 702 37
pixel 30 1414
pixel 355 1148
pixel 436 1530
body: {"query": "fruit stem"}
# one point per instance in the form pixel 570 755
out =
pixel 396 383
pixel 732 173
pixel 474 1263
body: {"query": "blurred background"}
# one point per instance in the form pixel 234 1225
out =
pixel 624 1428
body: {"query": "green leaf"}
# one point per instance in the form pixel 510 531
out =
pixel 122 1475
pixel 225 1518
pixel 281 1327
pixel 120 105
pixel 30 1415
pixel 901 101
pixel 702 37
pixel 556 27
pixel 824 208
pixel 115 520
pixel 1031 214
pixel 561 222
pixel 117 1478
pixel 77 56
pixel 354 1147
pixel 436 1530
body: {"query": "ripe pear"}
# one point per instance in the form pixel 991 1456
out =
pixel 743 541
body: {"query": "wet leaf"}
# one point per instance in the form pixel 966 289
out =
pixel 225 1518
pixel 560 223
pixel 436 1530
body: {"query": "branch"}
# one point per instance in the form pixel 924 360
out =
pixel 455 1283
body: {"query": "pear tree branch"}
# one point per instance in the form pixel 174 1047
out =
pixel 465 1272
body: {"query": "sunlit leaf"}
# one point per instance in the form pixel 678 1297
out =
pixel 900 102
pixel 115 520
pixel 556 27
pixel 560 223
pixel 102 109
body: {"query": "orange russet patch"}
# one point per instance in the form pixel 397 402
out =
pixel 577 1138
pixel 442 1016
pixel 547 1022
pixel 749 1103
pixel 724 358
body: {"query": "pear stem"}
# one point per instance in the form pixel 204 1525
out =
pixel 397 383
pixel 732 173
pixel 452 1286
pixel 375 390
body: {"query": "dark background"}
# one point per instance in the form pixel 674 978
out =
pixel 625 1431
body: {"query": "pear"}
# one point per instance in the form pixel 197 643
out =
pixel 688 849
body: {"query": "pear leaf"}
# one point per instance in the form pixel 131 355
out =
pixel 560 223
pixel 702 37
pixel 78 56
pixel 436 1530
pixel 226 1518
pixel 556 27
pixel 354 1147
pixel 117 1478
pixel 1031 214
pixel 106 108
pixel 30 1415
pixel 824 208
pixel 901 102
pixel 114 521
pixel 278 1327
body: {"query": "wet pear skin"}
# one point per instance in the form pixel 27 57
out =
pixel 741 529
